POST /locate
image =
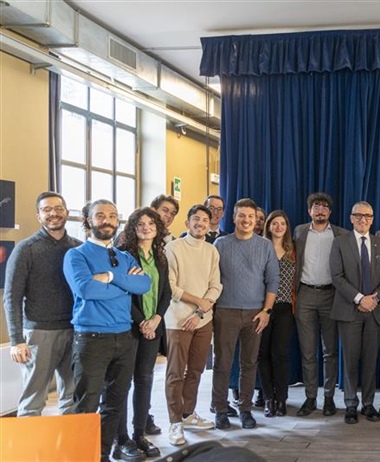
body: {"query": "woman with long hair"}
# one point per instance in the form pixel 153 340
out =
pixel 275 340
pixel 144 239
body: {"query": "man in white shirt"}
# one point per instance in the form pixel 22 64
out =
pixel 355 272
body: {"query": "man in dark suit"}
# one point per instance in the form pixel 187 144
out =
pixel 356 309
pixel 314 298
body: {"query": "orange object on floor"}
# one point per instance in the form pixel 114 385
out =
pixel 69 438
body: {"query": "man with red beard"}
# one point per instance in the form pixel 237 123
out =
pixel 38 307
pixel 103 279
pixel 314 299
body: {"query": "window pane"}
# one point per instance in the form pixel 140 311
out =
pixel 75 229
pixel 74 187
pixel 74 93
pixel 102 145
pixel 73 137
pixel 101 103
pixel 125 151
pixel 101 187
pixel 125 113
pixel 125 196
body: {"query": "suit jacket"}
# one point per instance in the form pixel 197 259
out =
pixel 300 236
pixel 345 265
pixel 163 301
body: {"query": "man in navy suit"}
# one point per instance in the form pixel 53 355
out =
pixel 356 309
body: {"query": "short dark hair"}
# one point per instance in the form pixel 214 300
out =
pixel 89 207
pixel 196 208
pixel 245 202
pixel 46 194
pixel 214 196
pixel 157 201
pixel 319 197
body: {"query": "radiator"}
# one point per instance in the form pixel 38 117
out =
pixel 11 381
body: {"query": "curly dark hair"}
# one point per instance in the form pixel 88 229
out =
pixel 129 240
pixel 287 243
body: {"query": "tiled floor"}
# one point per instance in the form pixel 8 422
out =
pixel 281 439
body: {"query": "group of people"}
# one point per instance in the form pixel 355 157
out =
pixel 97 313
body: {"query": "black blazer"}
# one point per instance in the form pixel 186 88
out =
pixel 164 296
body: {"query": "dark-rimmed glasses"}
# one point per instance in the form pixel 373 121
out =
pixel 113 260
pixel 360 216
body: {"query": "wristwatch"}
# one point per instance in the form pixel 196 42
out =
pixel 268 311
pixel 199 313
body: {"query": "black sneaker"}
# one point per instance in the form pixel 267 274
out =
pixel 128 451
pixel 231 412
pixel 149 448
pixel 222 421
pixel 247 420
pixel 151 428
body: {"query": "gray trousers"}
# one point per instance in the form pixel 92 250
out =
pixel 51 352
pixel 313 322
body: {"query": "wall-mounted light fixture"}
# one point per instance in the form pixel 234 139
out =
pixel 180 129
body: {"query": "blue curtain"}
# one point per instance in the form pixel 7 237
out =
pixel 300 114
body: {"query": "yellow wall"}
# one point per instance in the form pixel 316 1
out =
pixel 23 144
pixel 187 160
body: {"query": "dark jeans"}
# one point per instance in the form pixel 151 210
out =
pixel 275 352
pixel 146 356
pixel 229 326
pixel 103 366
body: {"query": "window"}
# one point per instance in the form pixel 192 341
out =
pixel 98 149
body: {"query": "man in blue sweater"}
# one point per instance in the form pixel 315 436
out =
pixel 38 307
pixel 250 277
pixel 103 279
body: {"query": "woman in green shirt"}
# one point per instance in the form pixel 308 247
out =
pixel 143 238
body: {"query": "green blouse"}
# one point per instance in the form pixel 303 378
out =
pixel 150 298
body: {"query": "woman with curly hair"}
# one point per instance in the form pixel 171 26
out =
pixel 143 238
pixel 276 337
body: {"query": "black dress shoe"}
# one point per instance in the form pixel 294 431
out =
pixel 149 448
pixel 329 407
pixel 231 412
pixel 128 451
pixel 351 415
pixel 247 420
pixel 281 408
pixel 151 428
pixel 222 421
pixel 259 402
pixel 270 408
pixel 307 407
pixel 370 413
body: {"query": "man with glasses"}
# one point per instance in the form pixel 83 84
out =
pixel 216 206
pixel 355 272
pixel 103 279
pixel 38 307
pixel 314 298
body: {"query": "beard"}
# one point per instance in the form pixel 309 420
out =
pixel 101 235
pixel 320 219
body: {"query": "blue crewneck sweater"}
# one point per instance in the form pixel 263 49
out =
pixel 100 307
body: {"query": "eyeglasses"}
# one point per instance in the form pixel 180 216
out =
pixel 113 260
pixel 360 216
pixel 215 209
pixel 57 208
pixel 320 206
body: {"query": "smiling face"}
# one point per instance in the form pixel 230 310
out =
pixel 320 212
pixel 52 214
pixel 104 221
pixel 260 221
pixel 362 218
pixel 167 212
pixel 217 211
pixel 245 220
pixel 198 224
pixel 146 229
pixel 278 227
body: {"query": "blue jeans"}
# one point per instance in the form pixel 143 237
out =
pixel 103 366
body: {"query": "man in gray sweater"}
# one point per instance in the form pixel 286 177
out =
pixel 38 306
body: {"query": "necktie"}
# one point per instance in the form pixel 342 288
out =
pixel 366 269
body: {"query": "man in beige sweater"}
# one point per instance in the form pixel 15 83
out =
pixel 195 282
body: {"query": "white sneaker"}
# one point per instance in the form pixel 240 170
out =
pixel 176 436
pixel 194 421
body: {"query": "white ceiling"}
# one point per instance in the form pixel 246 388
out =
pixel 171 30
